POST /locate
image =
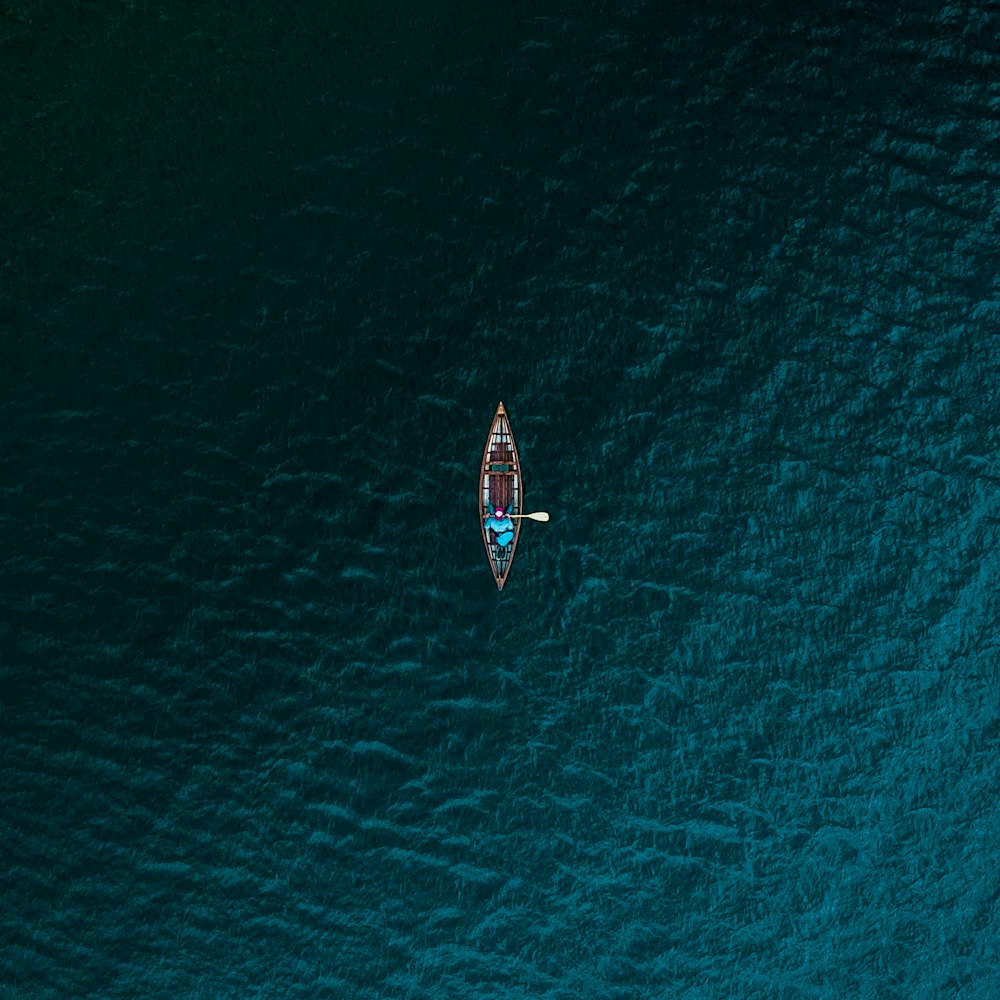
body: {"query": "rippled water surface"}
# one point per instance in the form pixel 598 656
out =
pixel 730 730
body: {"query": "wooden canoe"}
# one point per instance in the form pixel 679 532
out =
pixel 500 486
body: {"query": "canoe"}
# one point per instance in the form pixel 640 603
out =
pixel 500 486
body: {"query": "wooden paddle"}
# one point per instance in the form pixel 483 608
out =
pixel 540 515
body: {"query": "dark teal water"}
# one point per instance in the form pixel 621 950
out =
pixel 731 729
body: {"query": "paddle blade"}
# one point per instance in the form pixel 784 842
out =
pixel 538 516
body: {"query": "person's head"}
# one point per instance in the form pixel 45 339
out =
pixel 498 511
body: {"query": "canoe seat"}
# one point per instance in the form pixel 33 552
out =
pixel 499 467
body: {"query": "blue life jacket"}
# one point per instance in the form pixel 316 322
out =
pixel 504 527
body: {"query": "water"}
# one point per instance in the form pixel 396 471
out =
pixel 730 730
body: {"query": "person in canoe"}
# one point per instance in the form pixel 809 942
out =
pixel 502 525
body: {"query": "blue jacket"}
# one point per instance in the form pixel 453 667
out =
pixel 504 527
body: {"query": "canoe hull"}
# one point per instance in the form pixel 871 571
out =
pixel 500 486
